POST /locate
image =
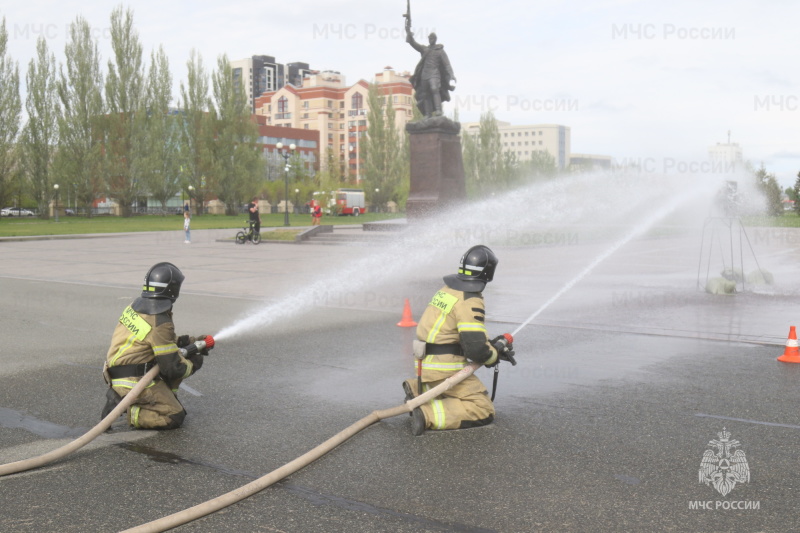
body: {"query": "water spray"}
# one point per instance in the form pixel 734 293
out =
pixel 644 226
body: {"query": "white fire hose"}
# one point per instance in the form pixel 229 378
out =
pixel 89 436
pixel 220 502
pixel 86 438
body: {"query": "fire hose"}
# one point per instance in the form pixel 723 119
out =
pixel 89 436
pixel 220 502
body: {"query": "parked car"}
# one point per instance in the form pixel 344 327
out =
pixel 15 212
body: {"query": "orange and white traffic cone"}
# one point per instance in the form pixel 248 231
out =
pixel 792 353
pixel 407 320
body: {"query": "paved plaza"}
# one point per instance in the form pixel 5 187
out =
pixel 621 386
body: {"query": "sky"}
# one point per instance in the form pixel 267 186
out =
pixel 654 83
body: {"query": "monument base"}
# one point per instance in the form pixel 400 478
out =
pixel 437 169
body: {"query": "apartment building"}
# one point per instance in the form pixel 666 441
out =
pixel 306 147
pixel 260 73
pixel 325 102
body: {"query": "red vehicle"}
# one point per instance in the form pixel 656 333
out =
pixel 350 202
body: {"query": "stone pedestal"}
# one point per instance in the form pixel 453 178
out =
pixel 437 170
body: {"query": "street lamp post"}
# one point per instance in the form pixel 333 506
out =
pixel 286 156
pixel 55 188
pixel 357 154
pixel 376 194
pixel 191 193
pixel 296 208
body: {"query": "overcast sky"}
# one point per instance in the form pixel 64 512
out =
pixel 655 82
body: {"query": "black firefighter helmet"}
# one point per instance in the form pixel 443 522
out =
pixel 475 271
pixel 162 285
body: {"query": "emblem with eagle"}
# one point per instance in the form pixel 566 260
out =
pixel 726 467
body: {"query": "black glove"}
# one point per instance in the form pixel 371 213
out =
pixel 183 341
pixel 505 352
pixel 197 361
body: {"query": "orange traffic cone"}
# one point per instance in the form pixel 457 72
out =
pixel 408 320
pixel 792 353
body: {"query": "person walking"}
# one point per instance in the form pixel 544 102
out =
pixel 186 223
pixel 450 332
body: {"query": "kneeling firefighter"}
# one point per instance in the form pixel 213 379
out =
pixel 450 332
pixel 145 336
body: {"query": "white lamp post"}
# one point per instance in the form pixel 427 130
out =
pixel 286 156
pixel 55 188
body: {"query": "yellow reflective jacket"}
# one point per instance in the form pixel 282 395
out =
pixel 455 318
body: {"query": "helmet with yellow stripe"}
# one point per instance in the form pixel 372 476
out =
pixel 163 281
pixel 475 270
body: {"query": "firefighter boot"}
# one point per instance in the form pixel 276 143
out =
pixel 112 400
pixel 409 393
pixel 417 422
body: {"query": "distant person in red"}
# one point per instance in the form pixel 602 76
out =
pixel 316 212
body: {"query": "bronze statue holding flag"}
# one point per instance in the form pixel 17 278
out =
pixel 433 77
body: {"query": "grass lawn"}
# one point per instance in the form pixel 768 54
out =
pixel 27 226
pixel 788 220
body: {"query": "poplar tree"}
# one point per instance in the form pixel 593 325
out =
pixel 158 160
pixel 40 134
pixel 382 150
pixel 80 90
pixel 797 194
pixel 236 161
pixel 768 185
pixel 196 131
pixel 484 164
pixel 124 132
pixel 10 110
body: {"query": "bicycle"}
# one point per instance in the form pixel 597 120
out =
pixel 248 234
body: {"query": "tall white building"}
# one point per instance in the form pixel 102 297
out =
pixel 525 141
pixel 726 152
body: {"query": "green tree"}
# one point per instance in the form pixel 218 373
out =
pixel 159 162
pixel 40 134
pixel 196 131
pixel 236 162
pixel 10 110
pixel 768 185
pixel 80 90
pixel 381 149
pixel 484 163
pixel 541 165
pixel 124 133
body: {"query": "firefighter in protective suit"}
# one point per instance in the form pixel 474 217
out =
pixel 144 336
pixel 450 332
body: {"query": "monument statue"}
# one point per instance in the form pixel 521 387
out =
pixel 433 77
pixel 437 169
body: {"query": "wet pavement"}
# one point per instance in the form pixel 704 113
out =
pixel 602 426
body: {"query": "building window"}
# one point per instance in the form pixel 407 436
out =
pixel 357 101
pixel 283 105
pixel 305 104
